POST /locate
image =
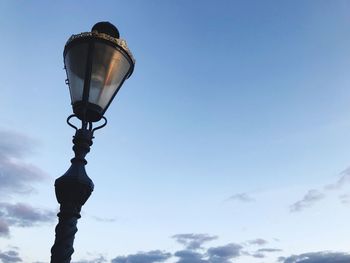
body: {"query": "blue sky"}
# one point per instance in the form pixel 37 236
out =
pixel 229 143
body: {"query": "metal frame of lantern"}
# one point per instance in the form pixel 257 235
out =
pixel 83 109
pixel 75 187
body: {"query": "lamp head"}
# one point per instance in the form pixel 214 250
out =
pixel 97 64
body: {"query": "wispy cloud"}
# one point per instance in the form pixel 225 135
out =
pixel 343 180
pixel 104 219
pixel 269 250
pixel 313 196
pixel 24 215
pixel 143 257
pixel 317 257
pixel 310 198
pixel 14 144
pixel 258 241
pixel 241 197
pixel 344 199
pixel 261 253
pixel 4 228
pixel 16 175
pixel 193 241
pixel 100 259
pixel 10 256
pixel 258 255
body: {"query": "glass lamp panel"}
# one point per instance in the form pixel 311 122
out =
pixel 75 62
pixel 109 67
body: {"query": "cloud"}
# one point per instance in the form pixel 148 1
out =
pixel 258 241
pixel 17 176
pixel 22 215
pixel 317 257
pixel 260 253
pixel 344 179
pixel 103 219
pixel 10 256
pixel 242 197
pixel 96 260
pixel 344 199
pixel 194 252
pixel 193 241
pixel 143 257
pixel 311 197
pixel 223 254
pixel 189 256
pixel 4 228
pixel 263 250
pixel 13 144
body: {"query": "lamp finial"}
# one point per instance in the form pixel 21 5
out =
pixel 107 28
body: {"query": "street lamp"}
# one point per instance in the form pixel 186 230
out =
pixel 97 63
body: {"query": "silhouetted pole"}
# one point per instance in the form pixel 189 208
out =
pixel 72 191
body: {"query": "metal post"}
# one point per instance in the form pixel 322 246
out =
pixel 72 191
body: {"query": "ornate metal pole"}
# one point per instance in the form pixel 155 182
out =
pixel 72 191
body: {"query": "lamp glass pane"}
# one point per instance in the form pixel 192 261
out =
pixel 109 68
pixel 75 62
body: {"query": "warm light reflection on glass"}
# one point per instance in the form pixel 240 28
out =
pixel 109 68
pixel 108 71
